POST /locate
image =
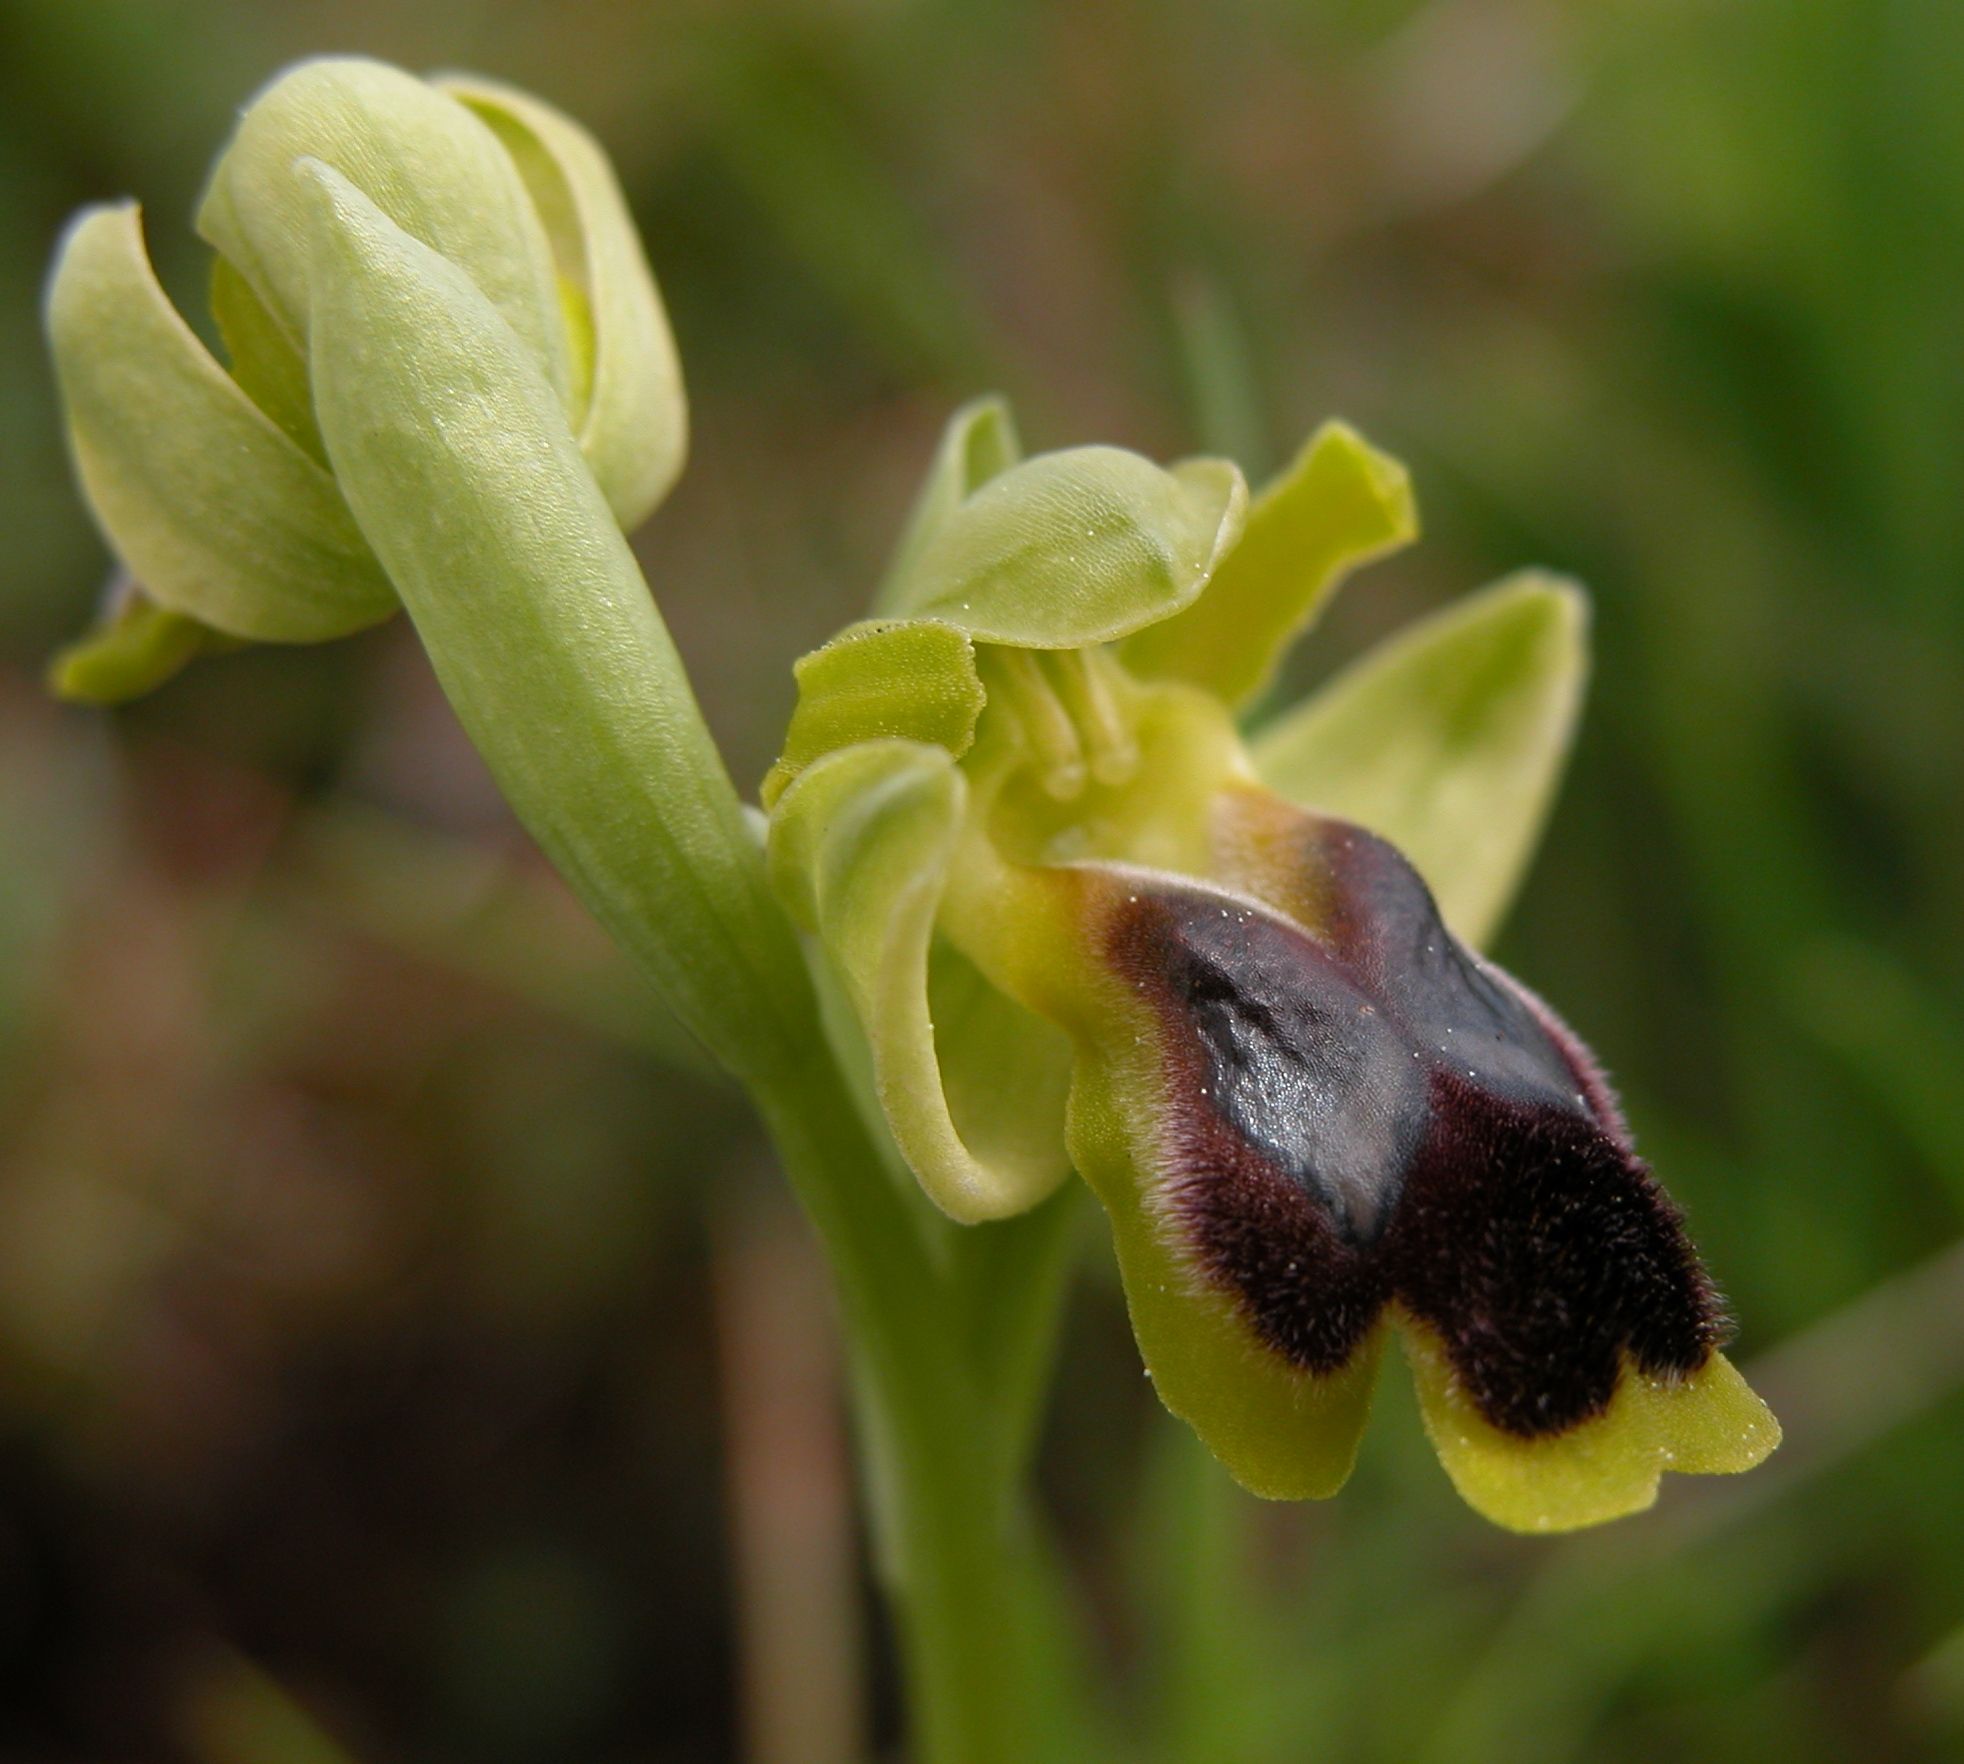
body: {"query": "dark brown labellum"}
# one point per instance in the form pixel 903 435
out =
pixel 1373 1114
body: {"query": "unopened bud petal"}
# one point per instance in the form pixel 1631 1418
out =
pixel 629 410
pixel 212 506
pixel 421 157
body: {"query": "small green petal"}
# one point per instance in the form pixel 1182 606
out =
pixel 979 443
pixel 913 680
pixel 633 422
pixel 426 161
pixel 1075 548
pixel 133 649
pixel 860 851
pixel 1709 1423
pixel 1340 504
pixel 1448 740
pixel 212 506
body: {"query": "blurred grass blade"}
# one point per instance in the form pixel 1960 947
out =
pixel 1902 1039
pixel 805 160
pixel 233 1713
pixel 479 912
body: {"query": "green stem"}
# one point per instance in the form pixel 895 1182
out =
pixel 978 1639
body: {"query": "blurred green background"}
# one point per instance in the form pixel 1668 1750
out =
pixel 405 1354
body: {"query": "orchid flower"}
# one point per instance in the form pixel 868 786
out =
pixel 1082 925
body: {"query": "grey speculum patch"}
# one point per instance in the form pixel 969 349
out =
pixel 1373 1114
pixel 1300 1064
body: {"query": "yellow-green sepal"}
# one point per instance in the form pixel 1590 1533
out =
pixel 133 648
pixel 1707 1422
pixel 629 408
pixel 906 680
pixel 1449 740
pixel 213 506
pixel 1337 506
pixel 979 443
pixel 860 851
pixel 1282 1433
pixel 431 165
pixel 1076 548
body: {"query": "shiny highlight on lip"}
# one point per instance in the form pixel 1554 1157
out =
pixel 1372 1117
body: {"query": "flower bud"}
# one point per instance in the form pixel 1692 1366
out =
pixel 211 482
pixel 426 161
pixel 628 406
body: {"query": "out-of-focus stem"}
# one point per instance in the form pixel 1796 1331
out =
pixel 950 1533
pixel 790 1494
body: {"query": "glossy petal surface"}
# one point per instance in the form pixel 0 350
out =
pixel 1076 548
pixel 1314 1117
